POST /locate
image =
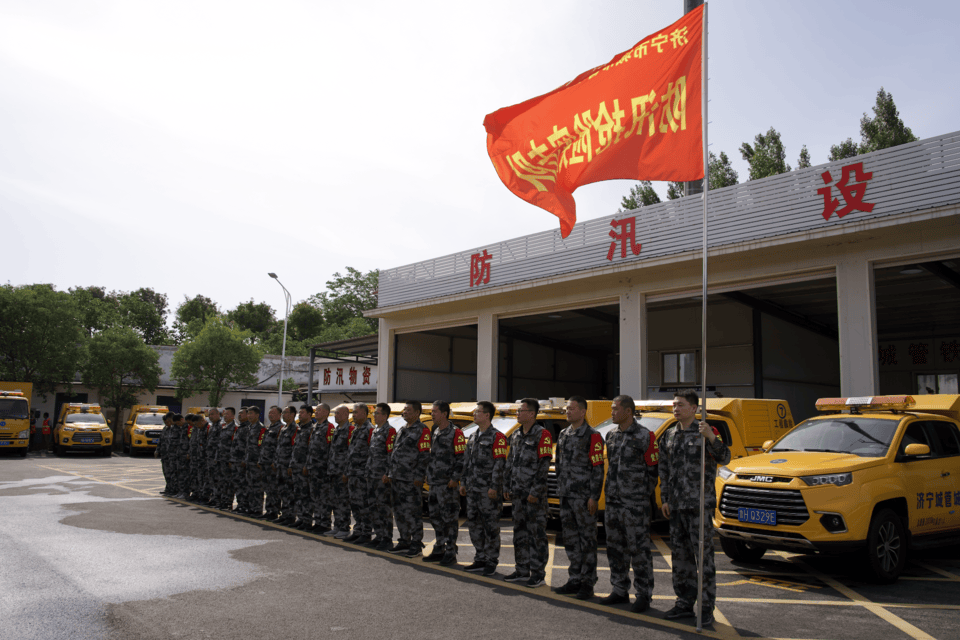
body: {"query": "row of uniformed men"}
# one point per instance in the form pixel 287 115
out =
pixel 313 469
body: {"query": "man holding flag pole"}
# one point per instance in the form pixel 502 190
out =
pixel 633 118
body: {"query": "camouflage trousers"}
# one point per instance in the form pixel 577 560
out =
pixel 483 522
pixel 301 507
pixel 168 477
pixel 271 487
pixel 530 536
pixel 340 501
pixel 684 543
pixel 320 497
pixel 380 496
pixel 408 512
pixel 628 543
pixel 579 540
pixel 209 488
pixel 226 486
pixel 285 491
pixel 360 504
pixel 255 484
pixel 444 505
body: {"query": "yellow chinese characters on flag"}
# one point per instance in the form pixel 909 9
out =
pixel 637 117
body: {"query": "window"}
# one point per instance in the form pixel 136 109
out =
pixel 915 434
pixel 680 368
pixel 946 434
pixel 937 383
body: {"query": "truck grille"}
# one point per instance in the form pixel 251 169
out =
pixel 94 436
pixel 552 485
pixel 789 504
pixel 153 434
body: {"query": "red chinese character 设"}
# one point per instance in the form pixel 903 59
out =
pixel 326 376
pixel 626 234
pixel 852 193
pixel 339 375
pixel 366 375
pixel 480 268
pixel 353 375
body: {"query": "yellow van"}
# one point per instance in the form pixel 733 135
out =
pixel 15 421
pixel 872 475
pixel 81 427
pixel 141 433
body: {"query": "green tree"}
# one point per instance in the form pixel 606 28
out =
pixel 767 156
pixel 305 321
pixel 640 195
pixel 804 160
pixel 192 315
pixel 40 336
pixel 256 317
pixel 119 365
pixel 145 311
pixel 216 359
pixel 674 190
pixel 722 174
pixel 348 296
pixel 885 129
pixel 842 151
pixel 96 309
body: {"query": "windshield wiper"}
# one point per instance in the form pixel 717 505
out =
pixel 779 450
pixel 824 450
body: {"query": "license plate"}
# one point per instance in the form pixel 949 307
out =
pixel 155 441
pixel 86 440
pixel 757 516
pixel 3 442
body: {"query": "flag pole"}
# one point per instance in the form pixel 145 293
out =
pixel 703 349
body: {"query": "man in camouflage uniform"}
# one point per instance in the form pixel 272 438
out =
pixel 379 493
pixel 267 464
pixel 210 473
pixel 318 452
pixel 285 442
pixel 161 452
pixel 357 454
pixel 302 507
pixel 187 432
pixel 336 469
pixel 227 484
pixel 632 455
pixel 255 434
pixel 408 465
pixel 525 480
pixel 680 478
pixel 579 484
pixel 482 486
pixel 177 435
pixel 237 454
pixel 198 463
pixel 443 475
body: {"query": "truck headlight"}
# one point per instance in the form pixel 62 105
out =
pixel 838 479
pixel 139 431
pixel 69 428
pixel 24 434
pixel 725 473
pixel 104 428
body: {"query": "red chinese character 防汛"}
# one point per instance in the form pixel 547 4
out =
pixel 853 194
pixel 480 268
pixel 326 376
pixel 366 375
pixel 626 235
pixel 353 375
pixel 339 375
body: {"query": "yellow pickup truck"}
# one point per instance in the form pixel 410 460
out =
pixel 141 433
pixel 878 476
pixel 81 427
pixel 15 421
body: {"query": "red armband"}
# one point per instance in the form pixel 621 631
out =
pixel 596 449
pixel 545 448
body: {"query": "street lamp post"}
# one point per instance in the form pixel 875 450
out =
pixel 283 353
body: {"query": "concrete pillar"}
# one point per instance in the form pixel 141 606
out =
pixel 633 344
pixel 857 319
pixel 488 356
pixel 386 354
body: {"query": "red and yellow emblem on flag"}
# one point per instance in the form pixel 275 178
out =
pixel 637 117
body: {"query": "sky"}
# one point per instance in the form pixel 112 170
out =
pixel 193 147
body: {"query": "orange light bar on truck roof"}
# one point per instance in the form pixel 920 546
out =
pixel 653 405
pixel 873 403
pixel 16 393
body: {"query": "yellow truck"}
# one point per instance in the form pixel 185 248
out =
pixel 878 476
pixel 141 433
pixel 81 427
pixel 15 416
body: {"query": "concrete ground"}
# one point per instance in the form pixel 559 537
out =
pixel 91 551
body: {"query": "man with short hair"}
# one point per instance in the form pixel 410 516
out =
pixel 302 507
pixel 209 489
pixel 198 463
pixel 357 454
pixel 336 469
pixel 681 474
pixel 162 452
pixel 183 455
pixel 379 493
pixel 177 434
pixel 484 463
pixel 531 449
pixel 443 475
pixel 227 484
pixel 579 469
pixel 408 466
pixel 286 440
pixel 237 456
pixel 267 464
pixel 315 469
pixel 255 434
pixel 632 455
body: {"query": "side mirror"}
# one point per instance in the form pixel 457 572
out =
pixel 767 445
pixel 917 449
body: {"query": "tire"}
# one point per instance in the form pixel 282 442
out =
pixel 106 452
pixel 58 450
pixel 23 452
pixel 886 553
pixel 740 551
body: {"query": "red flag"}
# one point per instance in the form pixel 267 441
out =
pixel 637 118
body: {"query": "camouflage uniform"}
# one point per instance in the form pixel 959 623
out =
pixel 680 488
pixel 211 446
pixel 176 461
pixel 166 458
pixel 227 485
pixel 299 482
pixel 267 464
pixel 446 465
pixel 336 469
pixel 408 464
pixel 318 452
pixel 237 453
pixel 183 456
pixel 198 463
pixel 285 441
pixel 379 494
pixel 580 479
pixel 483 469
pixel 357 454
pixel 526 475
pixel 631 465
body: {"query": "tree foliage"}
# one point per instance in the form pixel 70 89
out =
pixel 640 195
pixel 255 317
pixel 305 321
pixel 885 129
pixel 218 357
pixel 804 161
pixel 722 174
pixel 145 311
pixel 119 365
pixel 192 315
pixel 40 336
pixel 348 296
pixel 766 156
pixel 96 310
pixel 844 150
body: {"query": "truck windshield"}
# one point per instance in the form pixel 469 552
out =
pixel 149 418
pixel 864 437
pixel 651 424
pixel 93 418
pixel 13 409
pixel 501 424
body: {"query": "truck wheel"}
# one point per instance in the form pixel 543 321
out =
pixel 58 450
pixel 23 452
pixel 886 547
pixel 741 551
pixel 106 452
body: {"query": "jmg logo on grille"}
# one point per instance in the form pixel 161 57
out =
pixel 761 479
